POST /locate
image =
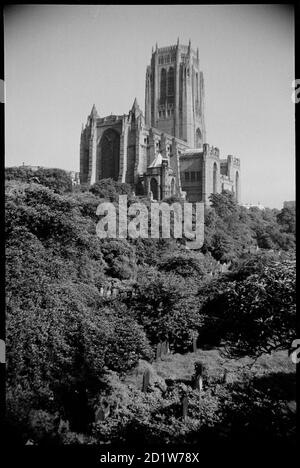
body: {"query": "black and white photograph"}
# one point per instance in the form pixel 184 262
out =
pixel 150 213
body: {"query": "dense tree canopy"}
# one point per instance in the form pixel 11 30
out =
pixel 69 343
pixel 256 312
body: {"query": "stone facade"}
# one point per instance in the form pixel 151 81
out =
pixel 165 152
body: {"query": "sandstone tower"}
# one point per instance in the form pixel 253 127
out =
pixel 174 98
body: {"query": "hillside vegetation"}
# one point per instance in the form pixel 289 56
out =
pixel 71 348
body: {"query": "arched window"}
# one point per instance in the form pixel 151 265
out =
pixel 199 141
pixel 215 178
pixel 197 88
pixel 154 188
pixel 109 153
pixel 163 85
pixel 173 187
pixel 237 187
pixel 171 82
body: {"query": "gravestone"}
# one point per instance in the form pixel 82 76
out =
pixel 158 351
pixel 184 404
pixel 164 348
pixel 102 412
pixel 198 376
pixel 195 337
pixel 146 380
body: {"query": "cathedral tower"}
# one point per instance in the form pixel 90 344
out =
pixel 174 97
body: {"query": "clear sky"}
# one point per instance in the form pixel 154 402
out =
pixel 60 60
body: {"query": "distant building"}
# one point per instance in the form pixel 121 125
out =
pixel 164 151
pixel 252 205
pixel 289 204
pixel 33 168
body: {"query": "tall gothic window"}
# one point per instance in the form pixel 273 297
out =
pixel 215 178
pixel 163 85
pixel 109 154
pixel 171 82
pixel 198 138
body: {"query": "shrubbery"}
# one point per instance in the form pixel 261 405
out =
pixel 68 345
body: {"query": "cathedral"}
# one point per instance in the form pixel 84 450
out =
pixel 164 151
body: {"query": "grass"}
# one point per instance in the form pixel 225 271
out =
pixel 181 367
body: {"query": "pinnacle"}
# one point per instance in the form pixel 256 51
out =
pixel 135 105
pixel 94 112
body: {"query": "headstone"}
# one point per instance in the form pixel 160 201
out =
pixel 184 404
pixel 102 412
pixel 195 337
pixel 199 384
pixel 158 351
pixel 146 380
pixel 198 376
pixel 101 291
pixel 164 348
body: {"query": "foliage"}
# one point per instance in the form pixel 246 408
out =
pixel 161 305
pixel 186 264
pixel 110 189
pixel 61 337
pixel 68 346
pixel 55 179
pixel 256 314
pixel 287 219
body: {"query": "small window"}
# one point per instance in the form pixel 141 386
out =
pixel 169 112
pixel 187 176
pixel 198 175
pixel 193 178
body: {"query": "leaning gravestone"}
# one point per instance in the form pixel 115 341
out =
pixel 146 380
